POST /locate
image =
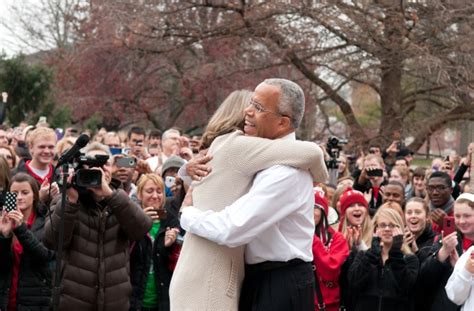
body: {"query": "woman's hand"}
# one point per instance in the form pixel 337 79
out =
pixel 449 244
pixel 197 168
pixel 170 236
pixel 17 217
pixel 152 213
pixel 6 224
pixel 411 240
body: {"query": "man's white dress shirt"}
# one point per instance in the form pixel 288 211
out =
pixel 274 219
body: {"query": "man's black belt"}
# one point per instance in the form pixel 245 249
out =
pixel 272 265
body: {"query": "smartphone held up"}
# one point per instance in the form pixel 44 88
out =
pixel 7 201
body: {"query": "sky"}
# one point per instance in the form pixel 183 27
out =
pixel 8 43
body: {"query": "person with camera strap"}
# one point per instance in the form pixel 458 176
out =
pixel 100 221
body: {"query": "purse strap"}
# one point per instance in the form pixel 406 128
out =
pixel 317 289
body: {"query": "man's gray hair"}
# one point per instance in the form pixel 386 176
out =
pixel 96 146
pixel 291 100
pixel 166 134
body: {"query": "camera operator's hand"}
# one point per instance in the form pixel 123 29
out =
pixel 104 191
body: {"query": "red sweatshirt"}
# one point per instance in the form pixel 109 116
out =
pixel 328 262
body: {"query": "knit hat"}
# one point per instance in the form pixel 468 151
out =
pixel 173 161
pixel 349 197
pixel 466 196
pixel 321 229
pixel 320 201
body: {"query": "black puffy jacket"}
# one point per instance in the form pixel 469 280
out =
pixel 34 284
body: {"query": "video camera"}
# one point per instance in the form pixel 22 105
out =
pixel 85 177
pixel 334 147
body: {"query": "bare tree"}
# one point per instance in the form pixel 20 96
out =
pixel 45 25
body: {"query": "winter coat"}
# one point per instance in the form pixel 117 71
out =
pixel 328 262
pixel 379 286
pixel 95 266
pixel 142 253
pixel 34 282
pixel 430 289
pixel 426 238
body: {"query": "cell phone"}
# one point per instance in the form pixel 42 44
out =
pixel 162 213
pixel 42 119
pixel 115 151
pixel 378 172
pixel 170 181
pixel 126 162
pixel 9 201
pixel 448 225
pixel 446 159
pixel 139 143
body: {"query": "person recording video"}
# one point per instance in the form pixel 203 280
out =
pixel 99 223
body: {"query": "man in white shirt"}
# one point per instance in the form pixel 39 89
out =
pixel 275 218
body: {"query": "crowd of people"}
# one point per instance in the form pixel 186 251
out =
pixel 229 221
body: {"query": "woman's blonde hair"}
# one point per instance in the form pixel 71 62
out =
pixel 367 231
pixel 396 207
pixel 227 118
pixel 156 179
pixel 393 216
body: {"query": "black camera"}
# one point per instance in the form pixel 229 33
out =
pixel 334 147
pixel 84 177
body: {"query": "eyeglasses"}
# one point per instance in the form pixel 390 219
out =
pixel 259 108
pixel 384 226
pixel 437 188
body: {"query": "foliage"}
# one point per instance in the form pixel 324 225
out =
pixel 28 88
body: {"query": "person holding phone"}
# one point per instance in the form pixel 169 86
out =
pixel 371 179
pixel 441 201
pixel 419 232
pixel 123 168
pixel 439 261
pixel 25 276
pixel 151 258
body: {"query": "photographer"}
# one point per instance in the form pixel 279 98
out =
pixel 98 227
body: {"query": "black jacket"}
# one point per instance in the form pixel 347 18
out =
pixel 426 238
pixel 140 259
pixel 34 284
pixel 433 276
pixel 379 286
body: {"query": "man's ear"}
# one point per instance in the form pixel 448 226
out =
pixel 285 122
